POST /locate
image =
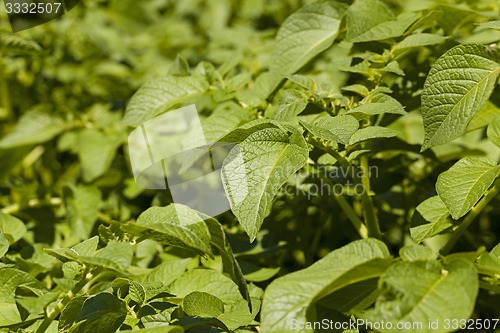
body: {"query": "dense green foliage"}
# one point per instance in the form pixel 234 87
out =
pixel 369 133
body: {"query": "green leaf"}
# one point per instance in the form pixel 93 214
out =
pixel 70 312
pixel 304 34
pixel 256 273
pixel 96 151
pixel 157 96
pixel 458 85
pixel 176 225
pixel 491 24
pixel 16 44
pixel 292 103
pixel 10 280
pixel 428 298
pixel 116 255
pixel 102 313
pixel 464 183
pixel 418 40
pixel 4 244
pixel 163 329
pixel 493 131
pixel 168 271
pixel 372 132
pixel 338 129
pixel 292 296
pixel 82 208
pixel 13 228
pixel 201 304
pixel 219 240
pixel 416 252
pixel 255 170
pixel 37 125
pixel 372 20
pixel 489 263
pixel 208 281
pixel 430 218
pixel 378 104
pixel 484 116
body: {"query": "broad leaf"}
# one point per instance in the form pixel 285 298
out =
pixel 176 225
pixel 219 240
pixel 371 20
pixel 101 313
pixel 424 291
pixel 158 95
pixel 38 125
pixel 378 104
pixel 429 219
pixel 493 131
pixel 4 244
pixel 201 304
pixel 337 129
pixel 13 228
pixel 464 184
pixel 292 296
pixel 10 279
pixel 491 24
pixel 484 116
pixel 458 85
pixel 96 151
pixel 255 170
pixel 82 207
pixel 416 41
pixel 17 44
pixel 372 132
pixel 290 105
pixel 416 253
pixel 304 34
pixel 489 263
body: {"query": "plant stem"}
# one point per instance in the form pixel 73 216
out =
pixel 369 211
pixel 5 98
pixel 83 284
pixel 329 150
pixel 355 220
pixel 474 212
pixel 51 315
pixel 33 203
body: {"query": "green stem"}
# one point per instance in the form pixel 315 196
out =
pixel 490 287
pixel 329 150
pixel 369 211
pixel 84 284
pixel 33 203
pixel 351 215
pixel 474 212
pixel 5 98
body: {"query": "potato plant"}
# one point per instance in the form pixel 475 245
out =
pixel 363 187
